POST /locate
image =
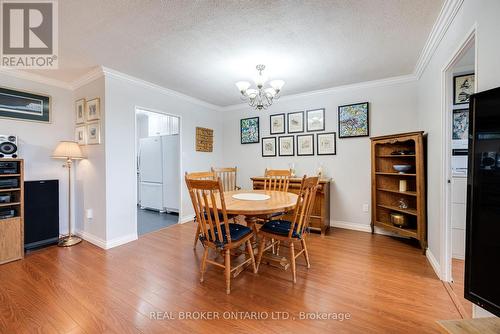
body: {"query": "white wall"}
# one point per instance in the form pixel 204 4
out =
pixel 122 97
pixel 38 140
pixel 484 13
pixel 91 177
pixel 392 110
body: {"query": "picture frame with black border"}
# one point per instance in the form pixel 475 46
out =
pixel 279 118
pixel 25 106
pixel 292 117
pixel 366 126
pixel 292 146
pixel 320 147
pixel 313 126
pixel 303 150
pixel 457 100
pixel 268 147
pixel 249 136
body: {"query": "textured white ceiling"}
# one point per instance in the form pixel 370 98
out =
pixel 201 48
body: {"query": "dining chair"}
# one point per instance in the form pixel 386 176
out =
pixel 218 234
pixel 228 177
pixel 199 176
pixel 277 179
pixel 294 231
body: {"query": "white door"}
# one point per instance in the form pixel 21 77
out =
pixel 150 160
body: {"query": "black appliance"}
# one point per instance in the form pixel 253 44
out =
pixel 9 167
pixel 9 183
pixel 41 213
pixel 7 213
pixel 482 252
pixel 5 197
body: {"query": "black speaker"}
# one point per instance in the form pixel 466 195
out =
pixel 41 213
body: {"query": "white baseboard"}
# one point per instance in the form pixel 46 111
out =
pixel 458 256
pixel 434 263
pixel 186 219
pixel 351 226
pixel 104 244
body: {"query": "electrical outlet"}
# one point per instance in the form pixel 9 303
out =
pixel 365 207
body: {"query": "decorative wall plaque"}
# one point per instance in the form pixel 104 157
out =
pixel 204 140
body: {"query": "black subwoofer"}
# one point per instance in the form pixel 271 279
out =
pixel 41 213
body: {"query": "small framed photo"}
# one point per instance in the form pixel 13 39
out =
pixel 305 144
pixel 249 130
pixel 93 110
pixel 94 133
pixel 296 122
pixel 286 146
pixel 326 143
pixel 268 146
pixel 315 120
pixel 277 124
pixel 460 124
pixel 354 120
pixel 463 87
pixel 80 111
pixel 81 135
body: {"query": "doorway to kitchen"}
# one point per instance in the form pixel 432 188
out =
pixel 158 170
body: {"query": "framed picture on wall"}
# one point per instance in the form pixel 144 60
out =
pixel 24 106
pixel 286 146
pixel 354 120
pixel 80 111
pixel 268 146
pixel 460 124
pixel 315 120
pixel 295 122
pixel 81 135
pixel 93 110
pixel 249 130
pixel 463 87
pixel 326 143
pixel 94 133
pixel 305 145
pixel 277 124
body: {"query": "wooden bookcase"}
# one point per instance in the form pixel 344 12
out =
pixel 386 193
pixel 12 229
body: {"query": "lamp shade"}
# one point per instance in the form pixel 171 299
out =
pixel 68 150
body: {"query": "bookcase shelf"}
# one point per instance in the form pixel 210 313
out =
pixel 386 194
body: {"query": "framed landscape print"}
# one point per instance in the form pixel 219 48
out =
pixel 93 111
pixel 81 134
pixel 460 124
pixel 326 143
pixel 315 120
pixel 249 130
pixel 277 124
pixel 24 106
pixel 463 87
pixel 94 133
pixel 295 122
pixel 268 146
pixel 80 111
pixel 354 120
pixel 286 146
pixel 305 144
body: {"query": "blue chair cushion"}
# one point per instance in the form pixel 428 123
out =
pixel 280 227
pixel 236 231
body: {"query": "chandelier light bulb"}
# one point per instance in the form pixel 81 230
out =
pixel 243 86
pixel 260 98
pixel 277 84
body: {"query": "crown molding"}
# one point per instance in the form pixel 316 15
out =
pixel 360 85
pixel 445 18
pixel 88 77
pixel 19 74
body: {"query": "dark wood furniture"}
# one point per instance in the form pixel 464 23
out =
pixel 12 229
pixel 386 194
pixel 320 217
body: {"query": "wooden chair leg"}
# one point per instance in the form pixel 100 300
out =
pixel 278 248
pixel 306 254
pixel 292 260
pixel 250 253
pixel 272 246
pixel 197 235
pixel 203 264
pixel 227 270
pixel 262 244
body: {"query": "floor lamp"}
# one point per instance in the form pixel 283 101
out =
pixel 68 150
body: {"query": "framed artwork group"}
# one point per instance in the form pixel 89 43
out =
pixel 88 124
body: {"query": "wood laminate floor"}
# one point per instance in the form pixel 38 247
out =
pixel 385 285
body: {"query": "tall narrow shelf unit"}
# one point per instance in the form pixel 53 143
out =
pixel 12 229
pixel 386 194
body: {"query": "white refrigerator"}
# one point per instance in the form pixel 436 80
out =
pixel 159 179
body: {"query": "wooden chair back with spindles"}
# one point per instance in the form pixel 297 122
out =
pixel 228 177
pixel 217 233
pixel 277 179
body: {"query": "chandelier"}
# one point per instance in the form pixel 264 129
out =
pixel 260 98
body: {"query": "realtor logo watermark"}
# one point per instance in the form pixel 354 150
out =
pixel 29 36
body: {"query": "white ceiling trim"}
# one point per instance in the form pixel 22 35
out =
pixel 88 77
pixel 35 78
pixel 445 18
